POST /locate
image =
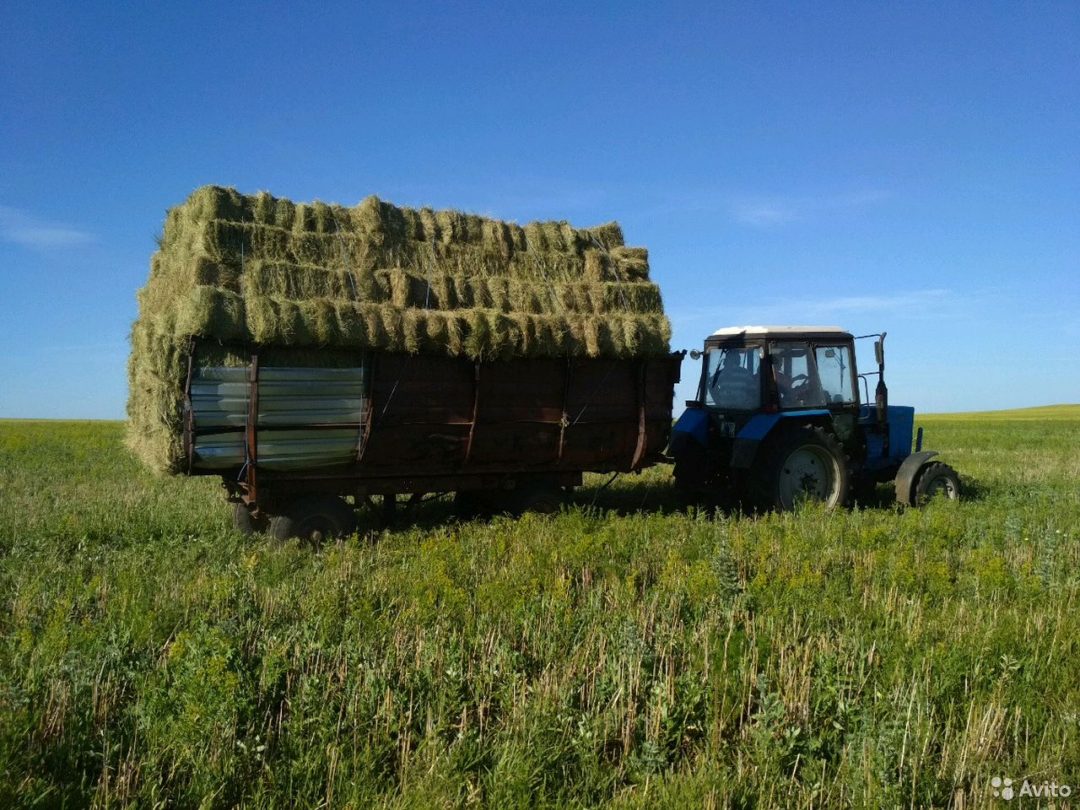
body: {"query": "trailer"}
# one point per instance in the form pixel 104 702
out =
pixel 298 449
pixel 318 357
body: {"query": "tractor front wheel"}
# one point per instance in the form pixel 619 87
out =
pixel 804 464
pixel 936 479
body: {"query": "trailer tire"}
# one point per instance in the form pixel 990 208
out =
pixel 469 504
pixel 246 523
pixel 542 499
pixel 314 520
pixel 935 479
pixel 803 462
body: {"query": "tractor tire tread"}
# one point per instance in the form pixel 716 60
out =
pixel 934 470
pixel 762 480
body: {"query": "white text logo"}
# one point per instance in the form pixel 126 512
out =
pixel 1005 788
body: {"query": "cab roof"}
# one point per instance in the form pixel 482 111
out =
pixel 780 331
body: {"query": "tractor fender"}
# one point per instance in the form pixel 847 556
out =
pixel 753 433
pixel 693 424
pixel 908 472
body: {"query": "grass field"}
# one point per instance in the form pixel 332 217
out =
pixel 622 651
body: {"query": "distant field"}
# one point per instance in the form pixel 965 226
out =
pixel 623 651
pixel 1068 413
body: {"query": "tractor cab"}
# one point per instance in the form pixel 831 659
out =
pixel 779 368
pixel 778 417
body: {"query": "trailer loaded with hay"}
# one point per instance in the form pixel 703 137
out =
pixel 317 357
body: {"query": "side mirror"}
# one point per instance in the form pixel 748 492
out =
pixel 695 354
pixel 879 352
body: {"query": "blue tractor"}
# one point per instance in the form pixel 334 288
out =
pixel 778 419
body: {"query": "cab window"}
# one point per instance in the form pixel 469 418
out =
pixel 795 375
pixel 835 374
pixel 733 378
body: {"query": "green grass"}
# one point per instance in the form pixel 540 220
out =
pixel 620 652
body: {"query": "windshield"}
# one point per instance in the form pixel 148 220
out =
pixel 836 373
pixel 732 378
pixel 812 376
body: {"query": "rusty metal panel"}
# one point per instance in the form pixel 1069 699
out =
pixel 523 444
pixel 423 414
pixel 421 409
pixel 602 391
pixel 421 389
pixel 395 447
pixel 521 391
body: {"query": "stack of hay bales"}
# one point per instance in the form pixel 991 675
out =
pixel 312 284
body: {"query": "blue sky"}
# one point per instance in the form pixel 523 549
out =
pixel 907 167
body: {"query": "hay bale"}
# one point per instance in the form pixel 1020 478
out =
pixel 605 237
pixel 631 264
pixel 313 283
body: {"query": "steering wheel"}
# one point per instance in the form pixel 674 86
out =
pixel 799 387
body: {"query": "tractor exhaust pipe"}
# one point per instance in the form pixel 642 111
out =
pixel 881 393
pixel 881 400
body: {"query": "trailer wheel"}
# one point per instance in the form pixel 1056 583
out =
pixel 804 463
pixel 245 523
pixel 469 504
pixel 314 521
pixel 936 479
pixel 541 498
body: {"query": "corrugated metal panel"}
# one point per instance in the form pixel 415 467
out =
pixel 289 400
pixel 278 449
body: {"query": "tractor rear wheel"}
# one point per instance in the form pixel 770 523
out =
pixel 804 464
pixel 314 521
pixel 936 479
